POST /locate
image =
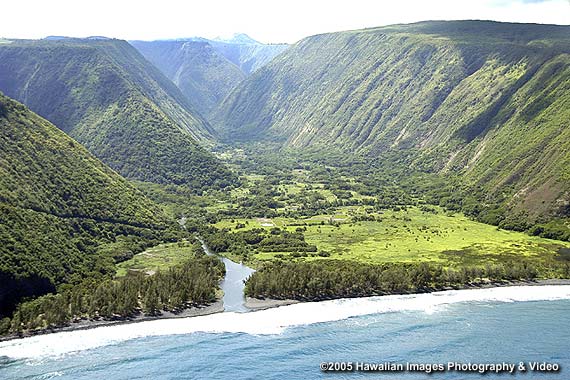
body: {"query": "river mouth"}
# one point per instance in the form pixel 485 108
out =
pixel 233 284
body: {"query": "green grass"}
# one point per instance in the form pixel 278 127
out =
pixel 415 236
pixel 409 236
pixel 162 256
pixel 251 223
pixel 488 101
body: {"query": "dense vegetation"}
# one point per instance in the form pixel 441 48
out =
pixel 391 160
pixel 44 170
pixel 485 101
pixel 105 95
pixel 297 207
pixel 295 184
pixel 64 216
pixel 192 283
pixel 256 240
pixel 326 279
pixel 207 70
pixel 323 226
pixel 200 72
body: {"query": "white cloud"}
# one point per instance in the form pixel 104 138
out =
pixel 268 21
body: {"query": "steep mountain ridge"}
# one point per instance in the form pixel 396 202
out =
pixel 246 53
pixel 199 71
pixel 466 96
pixel 108 97
pixel 58 204
pixel 207 70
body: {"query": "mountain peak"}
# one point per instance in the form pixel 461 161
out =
pixel 238 38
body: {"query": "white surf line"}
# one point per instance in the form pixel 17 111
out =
pixel 270 321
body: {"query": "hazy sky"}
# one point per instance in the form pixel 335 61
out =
pixel 264 20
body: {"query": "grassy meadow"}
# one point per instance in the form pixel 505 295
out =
pixel 156 258
pixel 407 236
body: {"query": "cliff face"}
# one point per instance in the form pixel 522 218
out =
pixel 484 99
pixel 104 94
pixel 58 203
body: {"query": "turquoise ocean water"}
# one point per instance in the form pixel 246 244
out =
pixel 510 325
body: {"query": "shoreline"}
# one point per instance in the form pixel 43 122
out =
pixel 87 324
pixel 255 304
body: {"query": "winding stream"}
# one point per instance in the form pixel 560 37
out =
pixel 233 283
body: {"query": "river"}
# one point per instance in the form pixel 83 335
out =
pixel 233 283
pixel 511 325
pixel 496 325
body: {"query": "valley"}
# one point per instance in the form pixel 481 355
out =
pixel 205 70
pixel 393 160
pixel 285 216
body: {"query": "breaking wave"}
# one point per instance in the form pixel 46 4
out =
pixel 270 321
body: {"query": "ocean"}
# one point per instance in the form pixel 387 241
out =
pixel 494 327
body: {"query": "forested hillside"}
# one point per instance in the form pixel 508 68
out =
pixel 104 94
pixel 64 215
pixel 485 100
pixel 207 70
pixel 200 72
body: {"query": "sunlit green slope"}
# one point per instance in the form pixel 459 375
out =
pixel 58 206
pixel 486 100
pixel 105 95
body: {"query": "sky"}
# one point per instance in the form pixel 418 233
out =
pixel 265 20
